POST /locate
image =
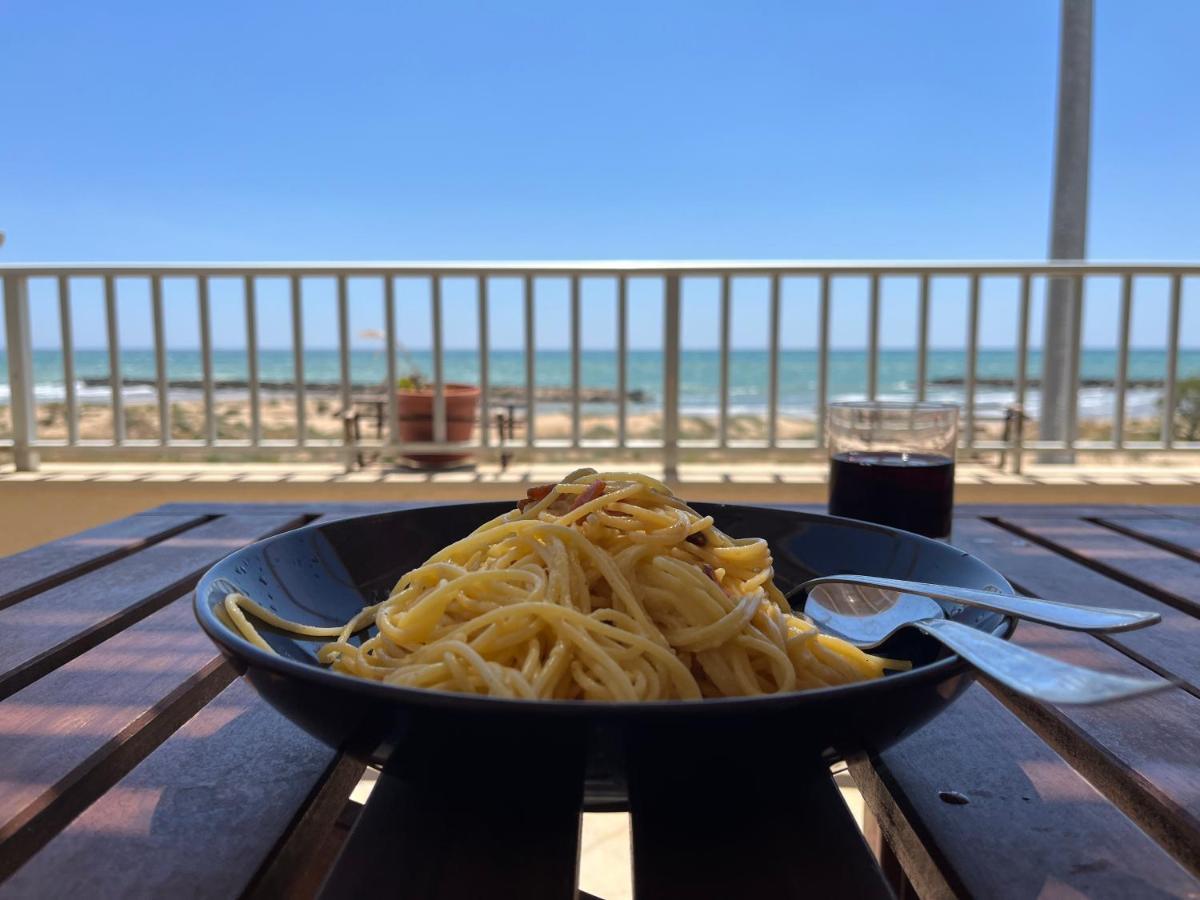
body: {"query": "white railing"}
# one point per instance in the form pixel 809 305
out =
pixel 673 280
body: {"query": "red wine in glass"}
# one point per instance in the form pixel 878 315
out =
pixel 913 491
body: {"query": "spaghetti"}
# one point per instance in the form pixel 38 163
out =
pixel 600 587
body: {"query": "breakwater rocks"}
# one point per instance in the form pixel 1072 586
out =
pixel 498 393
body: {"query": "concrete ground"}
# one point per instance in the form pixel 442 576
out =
pixel 62 498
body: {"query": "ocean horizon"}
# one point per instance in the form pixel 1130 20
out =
pixel 699 375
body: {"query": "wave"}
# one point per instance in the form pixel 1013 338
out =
pixel 1095 403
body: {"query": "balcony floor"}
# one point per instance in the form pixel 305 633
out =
pixel 63 498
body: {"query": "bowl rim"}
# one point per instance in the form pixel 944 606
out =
pixel 246 655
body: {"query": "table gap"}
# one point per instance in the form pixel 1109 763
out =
pixel 1153 540
pixel 305 853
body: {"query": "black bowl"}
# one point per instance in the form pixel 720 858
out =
pixel 325 573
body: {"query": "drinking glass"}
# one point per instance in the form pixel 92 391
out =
pixel 893 463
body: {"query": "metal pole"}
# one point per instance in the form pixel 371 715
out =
pixel 68 351
pixel 297 299
pixel 1018 437
pixel 439 376
pixel 1170 391
pixel 20 372
pixel 115 380
pixel 773 367
pixel 873 341
pixel 1068 224
pixel 670 423
pixel 389 327
pixel 161 389
pixel 530 363
pixel 350 439
pixel 622 356
pixel 251 302
pixel 576 345
pixel 1122 386
pixel 972 363
pixel 723 397
pixel 206 363
pixel 485 343
pixel 923 337
pixel 823 363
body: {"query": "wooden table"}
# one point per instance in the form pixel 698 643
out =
pixel 133 763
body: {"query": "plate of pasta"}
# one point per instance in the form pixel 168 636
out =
pixel 600 615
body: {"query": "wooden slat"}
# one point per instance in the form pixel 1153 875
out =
pixel 196 818
pixel 1150 569
pixel 469 830
pixel 68 736
pixel 1052 510
pixel 1032 826
pixel 766 833
pixel 307 852
pixel 1176 535
pixel 50 628
pixel 42 567
pixel 1169 647
pixel 1144 753
pixel 1140 753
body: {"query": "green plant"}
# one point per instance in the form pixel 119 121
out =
pixel 1187 409
pixel 414 381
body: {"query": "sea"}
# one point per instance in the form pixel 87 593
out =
pixel 699 377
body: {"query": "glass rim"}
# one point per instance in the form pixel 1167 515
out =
pixel 919 405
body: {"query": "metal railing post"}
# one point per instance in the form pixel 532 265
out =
pixel 1076 349
pixel 773 365
pixel 349 435
pixel 1021 376
pixel 485 345
pixel 576 365
pixel 67 342
pixel 972 363
pixel 251 301
pixel 873 340
pixel 1122 382
pixel 923 337
pixel 161 382
pixel 206 361
pixel 622 356
pixel 823 363
pixel 1170 387
pixel 723 390
pixel 670 423
pixel 19 344
pixel 529 301
pixel 116 381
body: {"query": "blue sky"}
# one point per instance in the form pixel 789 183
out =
pixel 234 131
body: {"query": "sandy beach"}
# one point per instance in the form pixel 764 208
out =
pixel 323 422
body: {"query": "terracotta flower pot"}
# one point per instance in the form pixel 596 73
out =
pixel 414 412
